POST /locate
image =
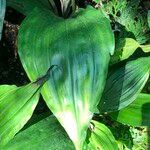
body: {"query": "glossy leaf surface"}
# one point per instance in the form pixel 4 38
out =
pixel 100 137
pixel 136 114
pixel 124 84
pixel 2 14
pixel 80 46
pixel 16 107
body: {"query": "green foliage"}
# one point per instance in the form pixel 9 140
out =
pixel 16 107
pixel 148 18
pixel 26 6
pixel 124 84
pixel 79 45
pixel 46 134
pixel 100 137
pixel 75 45
pixel 125 48
pixel 136 114
pixel 132 19
pixel 2 14
pixel 53 136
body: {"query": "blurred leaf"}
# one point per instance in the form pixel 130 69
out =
pixel 140 136
pixel 26 6
pixel 45 134
pixel 145 48
pixel 100 137
pixel 96 1
pixel 79 46
pixel 136 114
pixel 16 107
pixel 148 18
pixel 2 14
pixel 124 84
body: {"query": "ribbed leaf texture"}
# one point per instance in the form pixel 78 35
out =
pixel 124 84
pixel 16 107
pixel 100 137
pixel 80 46
pixel 136 114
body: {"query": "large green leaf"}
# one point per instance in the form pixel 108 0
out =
pixel 80 46
pixel 26 6
pixel 16 107
pixel 2 14
pixel 100 137
pixel 49 134
pixel 46 134
pixel 136 114
pixel 124 84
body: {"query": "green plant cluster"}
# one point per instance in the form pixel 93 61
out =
pixel 87 63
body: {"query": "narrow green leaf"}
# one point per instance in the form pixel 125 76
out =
pixel 100 137
pixel 136 114
pixel 124 84
pixel 46 134
pixel 26 6
pixel 2 14
pixel 80 46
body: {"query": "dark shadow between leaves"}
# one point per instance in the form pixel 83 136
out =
pixel 146 122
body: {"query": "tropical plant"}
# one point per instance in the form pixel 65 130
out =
pixel 74 46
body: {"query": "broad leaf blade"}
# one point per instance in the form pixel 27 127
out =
pixel 46 134
pixel 136 114
pixel 16 107
pixel 80 46
pixel 124 84
pixel 2 14
pixel 100 137
pixel 53 136
pixel 26 6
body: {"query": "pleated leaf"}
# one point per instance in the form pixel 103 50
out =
pixel 46 134
pixel 16 107
pixel 26 6
pixel 124 84
pixel 136 114
pixel 80 46
pixel 100 137
pixel 2 14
